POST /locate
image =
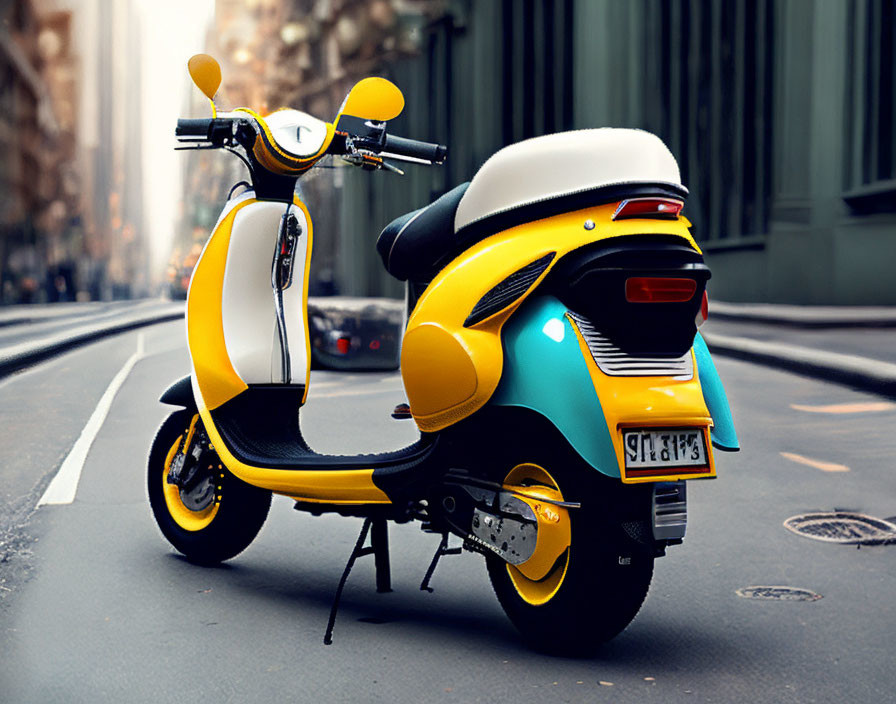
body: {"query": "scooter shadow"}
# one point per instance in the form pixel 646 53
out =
pixel 448 616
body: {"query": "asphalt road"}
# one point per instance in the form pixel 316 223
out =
pixel 95 607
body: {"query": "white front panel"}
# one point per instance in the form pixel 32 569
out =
pixel 250 321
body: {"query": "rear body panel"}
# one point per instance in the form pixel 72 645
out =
pixel 451 368
pixel 548 368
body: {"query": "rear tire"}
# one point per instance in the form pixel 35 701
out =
pixel 607 572
pixel 210 534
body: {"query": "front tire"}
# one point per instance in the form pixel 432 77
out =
pixel 598 585
pixel 205 530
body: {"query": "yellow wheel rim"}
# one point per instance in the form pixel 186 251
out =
pixel 185 517
pixel 537 480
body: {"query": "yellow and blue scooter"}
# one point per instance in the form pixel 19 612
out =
pixel 551 361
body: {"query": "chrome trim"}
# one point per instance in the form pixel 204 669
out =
pixel 612 361
pixel 277 288
pixel 669 510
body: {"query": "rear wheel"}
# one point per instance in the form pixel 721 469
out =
pixel 219 516
pixel 597 586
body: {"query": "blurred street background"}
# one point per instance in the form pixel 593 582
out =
pixel 780 114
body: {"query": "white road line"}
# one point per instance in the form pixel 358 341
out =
pixel 65 484
pixel 366 392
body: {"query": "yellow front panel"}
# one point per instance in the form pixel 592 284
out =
pixel 213 371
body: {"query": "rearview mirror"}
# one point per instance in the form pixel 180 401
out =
pixel 373 99
pixel 206 74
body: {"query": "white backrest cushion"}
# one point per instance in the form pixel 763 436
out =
pixel 562 164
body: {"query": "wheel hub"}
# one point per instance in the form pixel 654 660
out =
pixel 200 496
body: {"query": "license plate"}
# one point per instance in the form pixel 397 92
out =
pixel 673 447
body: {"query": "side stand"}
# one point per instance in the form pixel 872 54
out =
pixel 443 549
pixel 379 548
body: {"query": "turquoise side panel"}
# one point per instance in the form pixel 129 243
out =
pixel 544 371
pixel 723 434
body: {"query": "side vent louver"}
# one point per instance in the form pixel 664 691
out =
pixel 612 361
pixel 508 290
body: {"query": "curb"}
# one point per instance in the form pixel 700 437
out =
pixel 851 370
pixel 804 316
pixel 25 354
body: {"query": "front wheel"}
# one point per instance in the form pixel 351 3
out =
pixel 218 516
pixel 597 586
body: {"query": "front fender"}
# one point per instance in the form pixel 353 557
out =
pixel 545 371
pixel 180 393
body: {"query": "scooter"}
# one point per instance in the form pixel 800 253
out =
pixel 551 361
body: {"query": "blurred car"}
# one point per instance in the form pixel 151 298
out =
pixel 180 269
pixel 356 334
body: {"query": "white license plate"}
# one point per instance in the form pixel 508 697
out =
pixel 672 447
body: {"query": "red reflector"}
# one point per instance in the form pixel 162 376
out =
pixel 374 344
pixel 664 208
pixel 704 310
pixel 343 344
pixel 650 289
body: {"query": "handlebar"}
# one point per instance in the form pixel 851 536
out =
pixel 194 127
pixel 401 146
pixel 223 131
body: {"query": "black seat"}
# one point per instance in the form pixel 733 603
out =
pixel 413 245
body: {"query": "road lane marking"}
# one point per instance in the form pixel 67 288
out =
pixel 353 392
pixel 65 484
pixel 867 407
pixel 817 464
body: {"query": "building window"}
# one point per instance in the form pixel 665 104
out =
pixel 870 173
pixel 715 72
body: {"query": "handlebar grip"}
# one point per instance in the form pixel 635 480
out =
pixel 187 127
pixel 402 146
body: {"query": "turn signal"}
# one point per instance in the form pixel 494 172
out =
pixel 651 289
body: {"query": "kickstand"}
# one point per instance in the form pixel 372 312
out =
pixel 443 549
pixel 379 548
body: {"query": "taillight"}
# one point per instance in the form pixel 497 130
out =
pixel 654 289
pixel 703 313
pixel 654 208
pixel 343 345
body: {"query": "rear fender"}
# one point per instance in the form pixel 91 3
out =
pixel 545 371
pixel 723 435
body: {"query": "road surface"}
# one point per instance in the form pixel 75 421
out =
pixel 96 607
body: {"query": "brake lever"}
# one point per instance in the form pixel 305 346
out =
pixel 370 161
pixel 391 167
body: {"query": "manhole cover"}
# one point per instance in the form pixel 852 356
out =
pixel 843 527
pixel 778 594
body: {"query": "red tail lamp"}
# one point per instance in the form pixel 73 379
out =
pixel 654 289
pixel 653 208
pixel 343 345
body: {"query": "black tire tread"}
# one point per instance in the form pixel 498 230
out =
pixel 240 516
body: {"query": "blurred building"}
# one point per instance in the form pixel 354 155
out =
pixel 71 218
pixel 780 113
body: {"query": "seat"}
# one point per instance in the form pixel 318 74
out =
pixel 413 245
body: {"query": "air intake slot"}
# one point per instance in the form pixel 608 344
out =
pixel 510 289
